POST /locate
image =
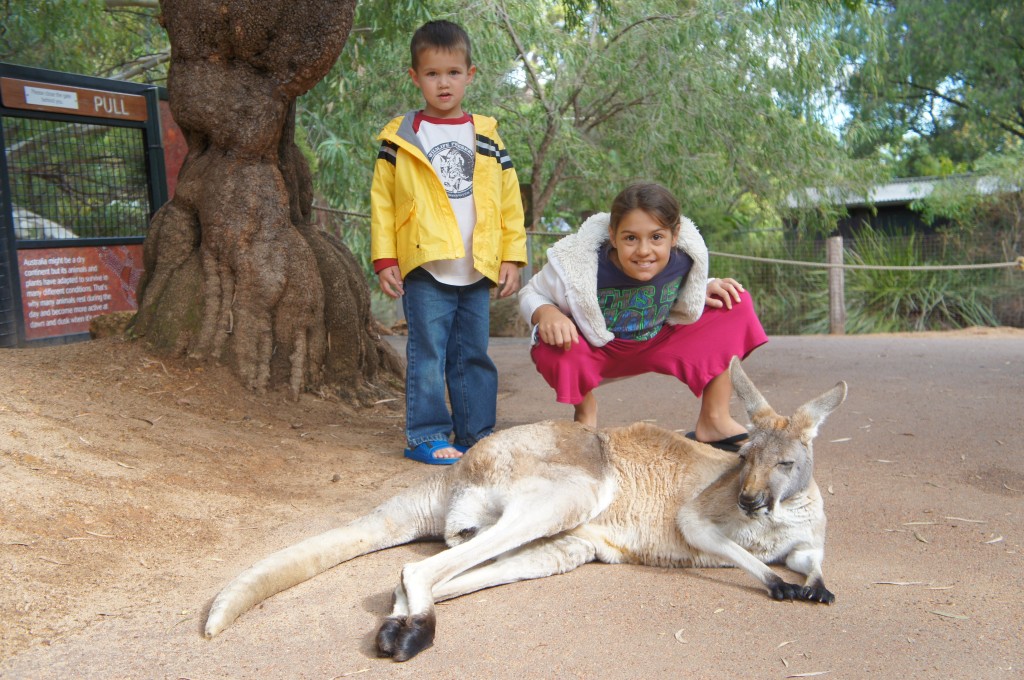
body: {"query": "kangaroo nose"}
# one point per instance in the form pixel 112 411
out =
pixel 752 502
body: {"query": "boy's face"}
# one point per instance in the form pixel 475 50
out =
pixel 442 77
pixel 642 245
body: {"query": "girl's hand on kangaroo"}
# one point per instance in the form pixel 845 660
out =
pixel 723 292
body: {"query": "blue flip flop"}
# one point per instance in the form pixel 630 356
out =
pixel 424 453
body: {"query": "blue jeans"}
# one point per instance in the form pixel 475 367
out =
pixel 449 327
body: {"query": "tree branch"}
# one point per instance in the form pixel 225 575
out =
pixel 1007 124
pixel 592 121
pixel 615 38
pixel 541 202
pixel 521 53
pixel 143 65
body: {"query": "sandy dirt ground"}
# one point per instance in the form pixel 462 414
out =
pixel 133 488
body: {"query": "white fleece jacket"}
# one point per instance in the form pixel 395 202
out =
pixel 569 279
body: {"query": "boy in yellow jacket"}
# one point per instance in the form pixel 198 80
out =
pixel 447 225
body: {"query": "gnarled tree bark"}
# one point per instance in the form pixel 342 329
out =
pixel 235 270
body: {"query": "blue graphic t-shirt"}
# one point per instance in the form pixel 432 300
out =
pixel 637 310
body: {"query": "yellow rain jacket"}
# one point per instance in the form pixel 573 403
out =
pixel 412 219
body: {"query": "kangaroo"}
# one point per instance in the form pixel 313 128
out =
pixel 542 499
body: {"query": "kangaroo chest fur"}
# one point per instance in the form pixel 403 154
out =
pixel 652 495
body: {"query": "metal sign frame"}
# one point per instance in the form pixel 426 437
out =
pixel 70 98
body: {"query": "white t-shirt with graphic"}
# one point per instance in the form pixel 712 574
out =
pixel 450 145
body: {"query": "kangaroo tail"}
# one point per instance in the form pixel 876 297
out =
pixel 404 518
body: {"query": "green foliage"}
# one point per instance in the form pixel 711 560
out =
pixel 997 204
pixel 988 225
pixel 902 300
pixel 717 110
pixel 923 80
pixel 80 36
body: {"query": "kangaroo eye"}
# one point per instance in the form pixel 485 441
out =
pixel 785 463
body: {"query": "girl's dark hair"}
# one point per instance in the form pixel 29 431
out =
pixel 653 199
pixel 440 35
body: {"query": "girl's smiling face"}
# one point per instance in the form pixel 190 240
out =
pixel 641 245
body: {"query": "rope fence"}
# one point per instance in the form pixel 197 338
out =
pixel 336 211
pixel 1018 264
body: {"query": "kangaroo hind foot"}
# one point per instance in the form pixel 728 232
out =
pixel 402 638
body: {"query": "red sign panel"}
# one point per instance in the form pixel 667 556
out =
pixel 63 289
pixel 175 147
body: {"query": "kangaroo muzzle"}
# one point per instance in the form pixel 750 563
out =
pixel 752 502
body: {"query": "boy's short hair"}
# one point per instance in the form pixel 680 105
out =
pixel 440 35
pixel 652 198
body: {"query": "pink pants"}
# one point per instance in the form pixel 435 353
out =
pixel 695 353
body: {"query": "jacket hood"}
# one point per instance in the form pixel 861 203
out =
pixel 400 128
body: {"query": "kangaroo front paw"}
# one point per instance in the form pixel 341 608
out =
pixel 817 593
pixel 781 590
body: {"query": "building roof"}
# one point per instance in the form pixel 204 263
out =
pixel 896 192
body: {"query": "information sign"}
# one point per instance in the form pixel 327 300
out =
pixel 63 289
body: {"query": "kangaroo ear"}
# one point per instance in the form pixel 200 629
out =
pixel 755 404
pixel 813 413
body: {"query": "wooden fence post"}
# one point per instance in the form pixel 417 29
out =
pixel 527 271
pixel 836 287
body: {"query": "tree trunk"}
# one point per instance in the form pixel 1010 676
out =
pixel 235 271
